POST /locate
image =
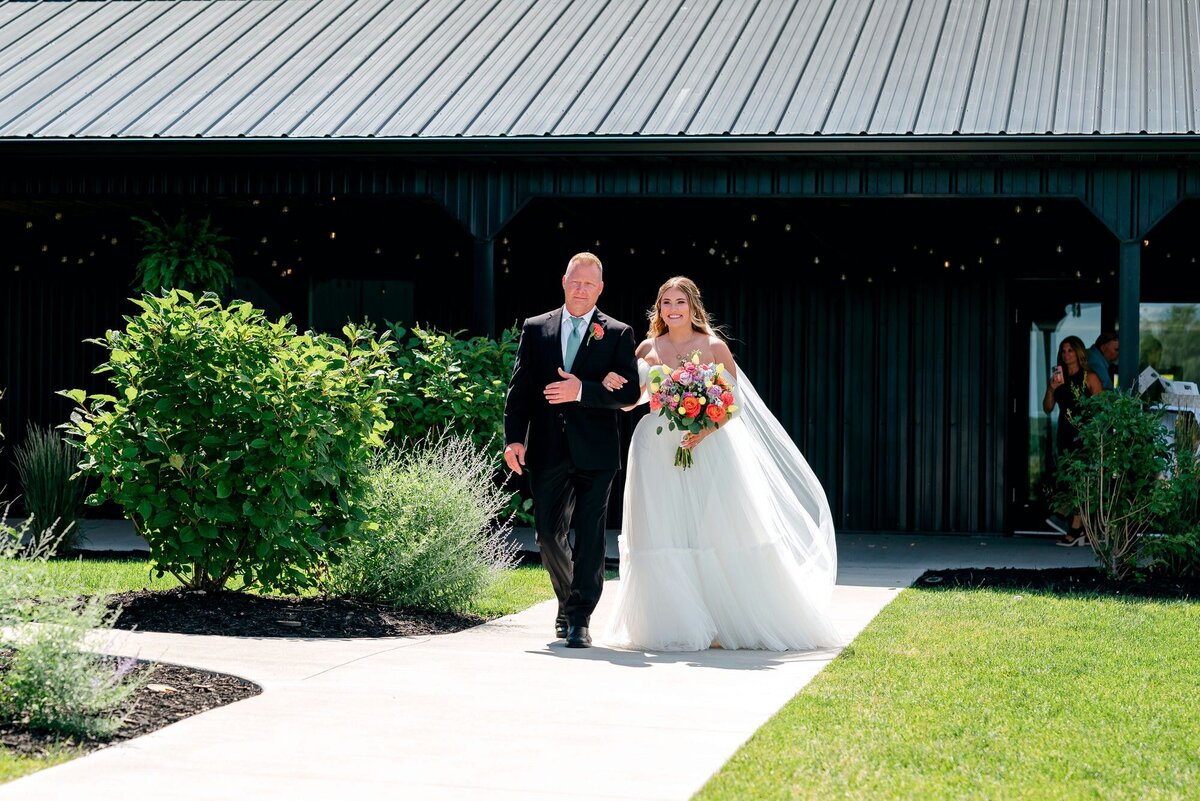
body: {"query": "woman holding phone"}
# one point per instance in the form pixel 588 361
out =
pixel 1069 382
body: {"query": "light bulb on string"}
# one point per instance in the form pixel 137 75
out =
pixel 561 225
pixel 58 215
pixel 946 264
pixel 113 241
pixel 378 251
pixel 1145 243
pixel 597 243
pixel 816 259
pixel 1058 248
pixel 28 224
pixel 753 218
pixel 894 269
pixel 255 202
pixel 45 248
pixel 662 252
pixel 263 240
pixel 284 209
pixel 63 260
pixel 417 257
pixel 870 280
pixel 16 268
pixel 91 254
pixel 712 251
pixel 254 253
pixel 962 267
pixel 787 226
pixel 631 251
pixel 996 241
pixel 1017 209
pixel 745 243
pixel 79 260
pixel 1079 274
pixel 843 276
pixel 333 234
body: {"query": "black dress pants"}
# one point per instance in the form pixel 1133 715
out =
pixel 563 495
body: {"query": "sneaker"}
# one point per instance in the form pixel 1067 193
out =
pixel 1058 523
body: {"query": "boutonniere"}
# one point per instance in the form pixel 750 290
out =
pixel 597 333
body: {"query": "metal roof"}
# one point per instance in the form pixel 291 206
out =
pixel 568 68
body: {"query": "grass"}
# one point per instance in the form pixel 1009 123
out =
pixel 88 577
pixel 991 694
pixel 14 766
pixel 516 589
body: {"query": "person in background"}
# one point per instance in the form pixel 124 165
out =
pixel 1069 383
pixel 1102 357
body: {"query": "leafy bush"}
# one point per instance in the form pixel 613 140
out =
pixel 48 680
pixel 187 255
pixel 1175 552
pixel 429 541
pixel 1116 478
pixel 233 443
pixel 454 385
pixel 45 464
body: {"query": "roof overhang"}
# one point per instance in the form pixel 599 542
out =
pixel 609 146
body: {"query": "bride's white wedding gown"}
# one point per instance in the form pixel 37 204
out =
pixel 737 550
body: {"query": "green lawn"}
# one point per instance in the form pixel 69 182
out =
pixel 13 766
pixel 89 576
pixel 991 694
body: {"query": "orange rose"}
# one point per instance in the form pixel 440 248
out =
pixel 691 406
pixel 715 413
pixel 727 398
pixel 655 403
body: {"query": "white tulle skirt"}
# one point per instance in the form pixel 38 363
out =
pixel 705 558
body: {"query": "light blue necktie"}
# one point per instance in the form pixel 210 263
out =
pixel 573 340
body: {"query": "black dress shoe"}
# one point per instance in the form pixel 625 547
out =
pixel 561 624
pixel 578 637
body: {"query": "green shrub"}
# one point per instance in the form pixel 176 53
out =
pixel 45 465
pixel 48 680
pixel 458 386
pixel 1175 552
pixel 1116 478
pixel 233 443
pixel 186 255
pixel 429 541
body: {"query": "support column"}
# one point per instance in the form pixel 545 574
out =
pixel 1129 286
pixel 484 316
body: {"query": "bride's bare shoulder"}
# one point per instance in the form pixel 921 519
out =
pixel 646 351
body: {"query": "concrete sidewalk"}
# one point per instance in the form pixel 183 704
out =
pixel 497 712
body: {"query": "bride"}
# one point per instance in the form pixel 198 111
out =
pixel 736 551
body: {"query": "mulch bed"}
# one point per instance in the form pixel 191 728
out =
pixel 1062 580
pixel 236 614
pixel 171 694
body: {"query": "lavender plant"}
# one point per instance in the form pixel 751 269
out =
pixel 49 679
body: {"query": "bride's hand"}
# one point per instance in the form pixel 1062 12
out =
pixel 691 440
pixel 612 382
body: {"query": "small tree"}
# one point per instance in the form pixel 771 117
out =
pixel 187 255
pixel 233 443
pixel 1116 479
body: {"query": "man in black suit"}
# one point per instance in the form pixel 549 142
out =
pixel 560 424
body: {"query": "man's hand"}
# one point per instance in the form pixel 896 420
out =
pixel 514 457
pixel 565 391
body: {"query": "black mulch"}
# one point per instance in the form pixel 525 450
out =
pixel 171 693
pixel 236 614
pixel 1062 580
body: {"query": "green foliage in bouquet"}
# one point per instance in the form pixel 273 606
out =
pixel 1116 479
pixel 457 386
pixel 233 443
pixel 187 255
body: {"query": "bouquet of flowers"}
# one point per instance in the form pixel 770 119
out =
pixel 692 397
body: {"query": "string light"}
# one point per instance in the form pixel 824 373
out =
pixel 712 251
pixel 63 260
pixel 787 226
pixel 753 218
pixel 284 209
pixel 417 257
pixel 263 240
pixel 632 251
pixel 745 243
pixel 597 243
pixel 1079 274
pixel 1058 248
pixel 113 241
pixel 843 276
pixel 996 241
pixel 254 202
pixel 333 234
pixel 1018 208
pixel 16 268
pixel 378 251
pixel 1145 243
pixel 561 225
pixel 816 259
pixel 946 264
pixel 45 248
pixel 1037 209
pixel 58 215
pixel 28 224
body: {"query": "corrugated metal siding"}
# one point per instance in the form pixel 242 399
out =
pixel 484 68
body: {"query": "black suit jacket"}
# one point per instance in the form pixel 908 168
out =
pixel 590 424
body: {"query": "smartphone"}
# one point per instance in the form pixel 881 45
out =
pixel 1057 372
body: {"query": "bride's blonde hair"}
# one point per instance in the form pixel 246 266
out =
pixel 700 319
